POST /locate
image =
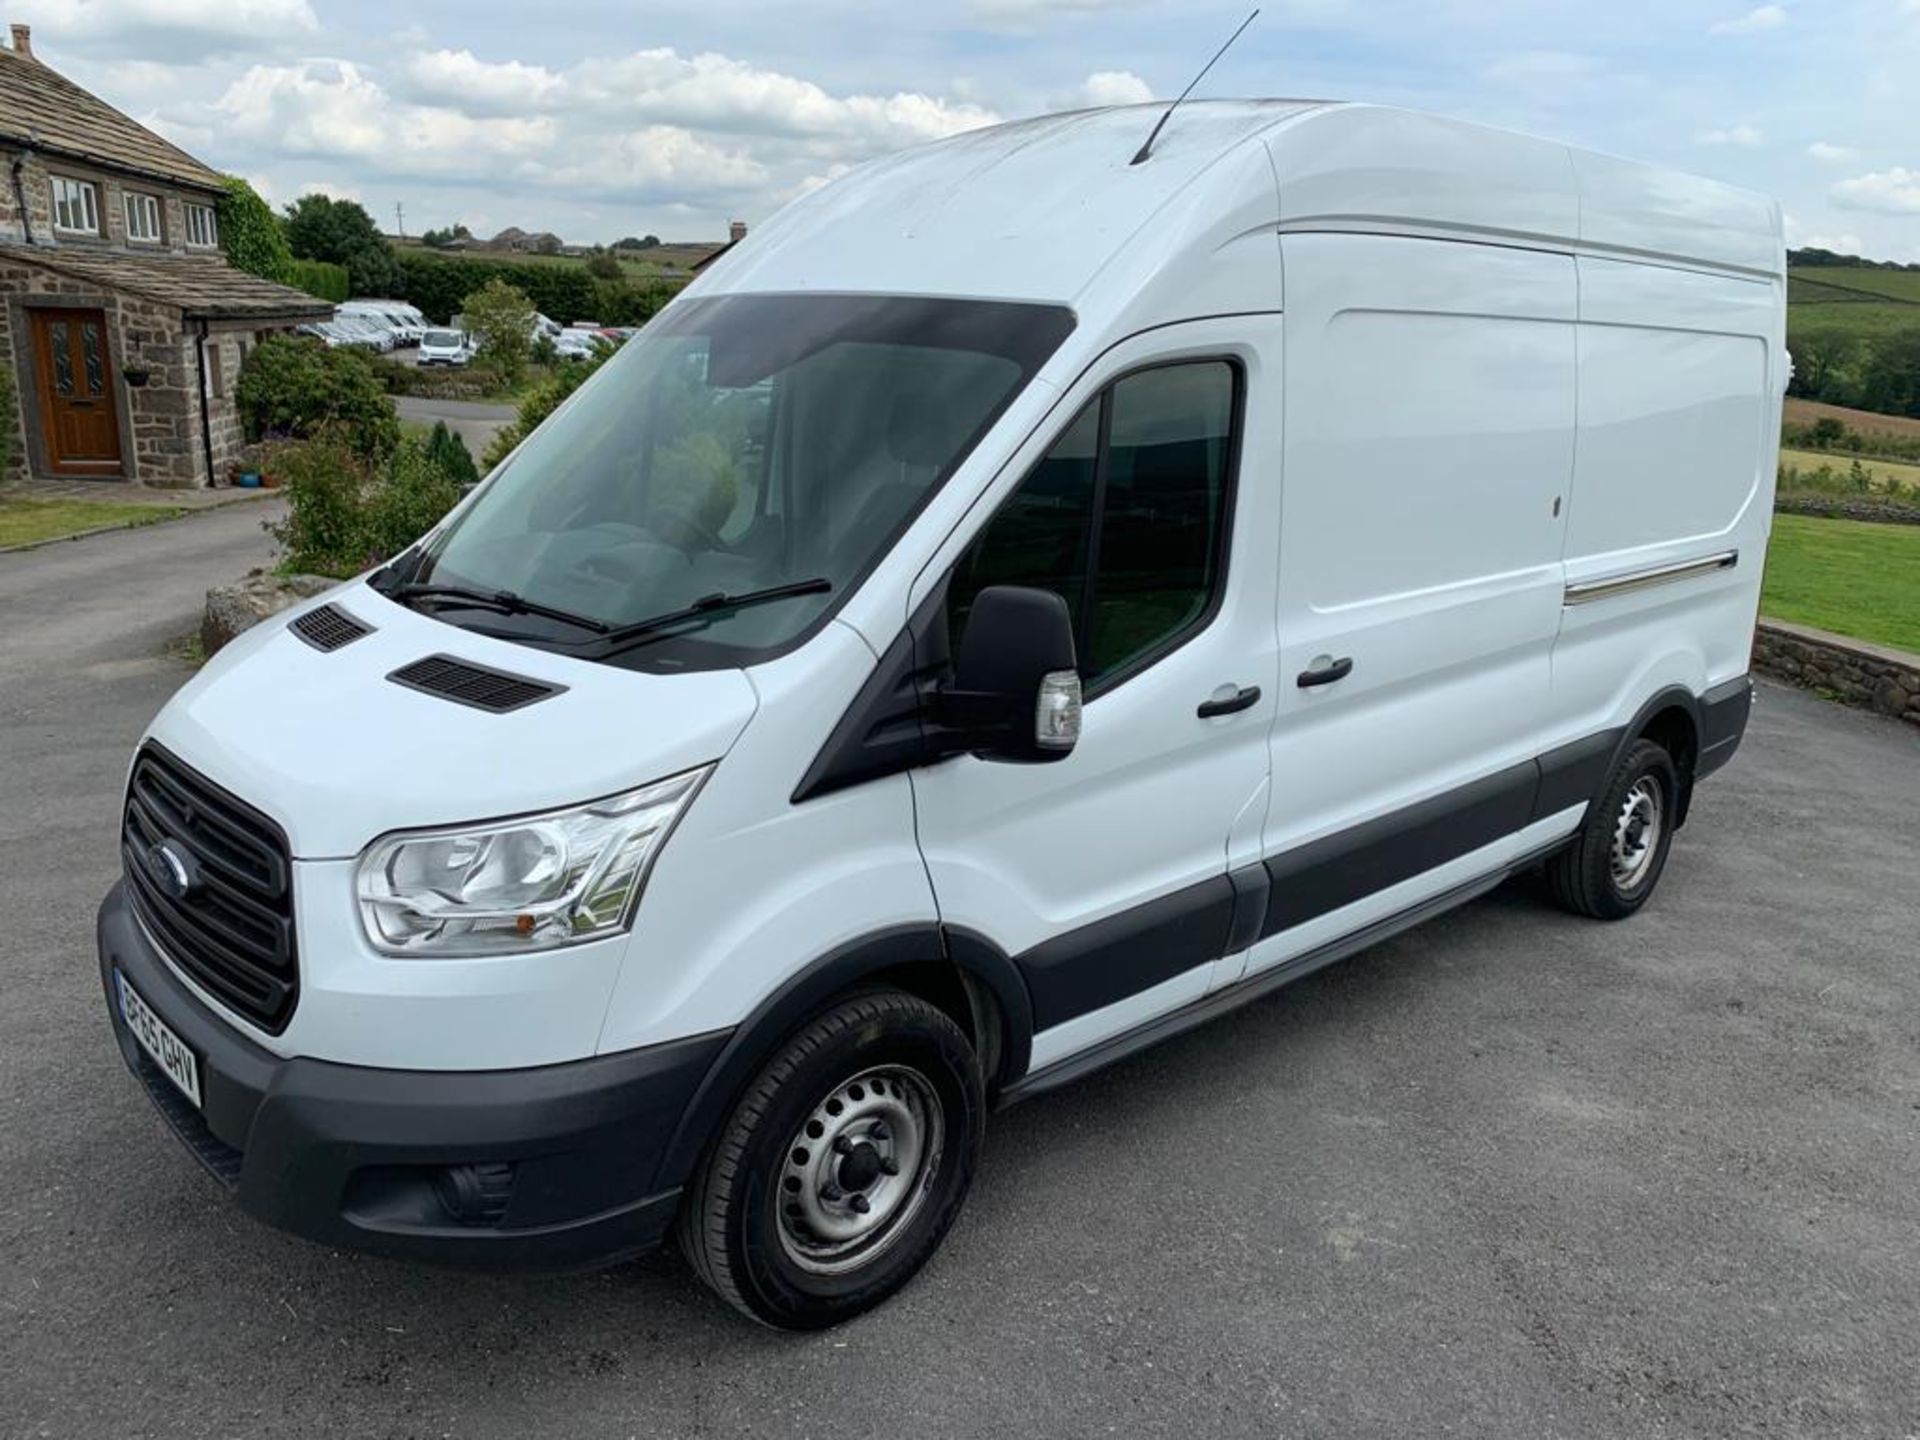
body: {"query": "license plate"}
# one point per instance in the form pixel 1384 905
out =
pixel 168 1050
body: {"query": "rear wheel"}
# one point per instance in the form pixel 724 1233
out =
pixel 843 1165
pixel 1611 866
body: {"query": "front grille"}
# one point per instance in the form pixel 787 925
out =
pixel 466 683
pixel 329 627
pixel 232 931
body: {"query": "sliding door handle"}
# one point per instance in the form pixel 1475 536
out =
pixel 1245 698
pixel 1325 670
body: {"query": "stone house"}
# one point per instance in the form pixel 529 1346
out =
pixel 122 326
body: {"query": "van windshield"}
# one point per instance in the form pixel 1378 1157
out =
pixel 738 444
pixel 443 339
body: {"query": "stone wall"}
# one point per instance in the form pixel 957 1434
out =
pixel 1874 677
pixel 161 437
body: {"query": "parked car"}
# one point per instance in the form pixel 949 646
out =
pixel 722 841
pixel 388 316
pixel 362 330
pixel 578 345
pixel 444 347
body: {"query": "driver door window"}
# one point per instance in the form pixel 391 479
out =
pixel 1125 518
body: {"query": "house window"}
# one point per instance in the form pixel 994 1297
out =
pixel 200 226
pixel 143 216
pixel 76 206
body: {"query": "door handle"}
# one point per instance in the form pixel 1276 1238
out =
pixel 1244 698
pixel 1324 671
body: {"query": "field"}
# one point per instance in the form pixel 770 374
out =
pixel 1846 576
pixel 1865 422
pixel 1864 304
pixel 1882 474
pixel 637 264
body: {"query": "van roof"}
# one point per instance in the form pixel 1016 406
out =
pixel 1037 208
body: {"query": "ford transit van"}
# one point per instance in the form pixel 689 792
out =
pixel 1025 600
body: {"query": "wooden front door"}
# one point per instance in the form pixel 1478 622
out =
pixel 77 412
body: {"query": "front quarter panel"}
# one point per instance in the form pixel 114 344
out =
pixel 752 886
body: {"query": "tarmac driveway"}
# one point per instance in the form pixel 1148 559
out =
pixel 1510 1175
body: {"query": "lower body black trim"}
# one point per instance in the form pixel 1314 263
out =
pixel 1232 997
pixel 1325 874
pixel 559 1165
pixel 1723 723
pixel 1098 964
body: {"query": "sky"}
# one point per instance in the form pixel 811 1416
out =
pixel 598 120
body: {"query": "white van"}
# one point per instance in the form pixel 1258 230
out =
pixel 939 657
pixel 444 347
pixel 389 315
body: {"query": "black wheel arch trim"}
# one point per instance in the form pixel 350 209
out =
pixel 809 991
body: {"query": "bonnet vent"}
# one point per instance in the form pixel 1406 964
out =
pixel 466 683
pixel 329 627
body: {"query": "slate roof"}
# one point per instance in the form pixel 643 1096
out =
pixel 41 108
pixel 200 286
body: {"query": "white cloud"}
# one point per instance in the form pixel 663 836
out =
pixel 150 29
pixel 1114 87
pixel 1746 137
pixel 708 91
pixel 1828 154
pixel 1764 17
pixel 1892 192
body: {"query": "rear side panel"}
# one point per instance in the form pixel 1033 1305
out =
pixel 1679 388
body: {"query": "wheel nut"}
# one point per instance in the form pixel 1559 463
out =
pixel 880 1131
pixel 842 1145
pixel 889 1166
pixel 831 1192
pixel 859 1204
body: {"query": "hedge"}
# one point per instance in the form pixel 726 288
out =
pixel 317 277
pixel 440 284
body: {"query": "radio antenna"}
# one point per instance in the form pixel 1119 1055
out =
pixel 1147 149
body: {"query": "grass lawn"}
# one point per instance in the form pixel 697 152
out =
pixel 1847 576
pixel 24 521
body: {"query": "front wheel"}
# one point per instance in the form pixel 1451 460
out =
pixel 842 1167
pixel 1611 866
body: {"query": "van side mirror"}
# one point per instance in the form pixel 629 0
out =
pixel 1016 691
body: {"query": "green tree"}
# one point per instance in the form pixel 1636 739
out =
pixel 603 266
pixel 1892 380
pixel 502 316
pixel 449 452
pixel 249 233
pixel 341 232
pixel 322 228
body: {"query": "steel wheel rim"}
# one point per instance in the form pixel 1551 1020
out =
pixel 1636 832
pixel 858 1169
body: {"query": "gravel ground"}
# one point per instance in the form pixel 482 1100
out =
pixel 1509 1175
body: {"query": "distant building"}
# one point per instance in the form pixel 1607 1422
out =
pixel 736 231
pixel 122 326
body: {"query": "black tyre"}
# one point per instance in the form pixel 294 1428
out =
pixel 843 1165
pixel 1612 865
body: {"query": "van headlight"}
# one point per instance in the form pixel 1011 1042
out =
pixel 535 882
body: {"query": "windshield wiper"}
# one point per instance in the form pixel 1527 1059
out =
pixel 704 611
pixel 504 601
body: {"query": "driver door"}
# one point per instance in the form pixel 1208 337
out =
pixel 1105 875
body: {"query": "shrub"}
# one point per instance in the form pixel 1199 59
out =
pixel 294 387
pixel 1827 432
pixel 249 235
pixel 345 514
pixel 449 452
pixel 544 399
pixel 603 266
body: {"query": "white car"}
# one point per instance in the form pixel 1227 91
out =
pixel 578 345
pixel 385 316
pixel 871 700
pixel 444 347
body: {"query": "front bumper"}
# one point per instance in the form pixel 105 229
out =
pixel 563 1158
